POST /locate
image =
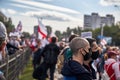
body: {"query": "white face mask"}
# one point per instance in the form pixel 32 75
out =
pixel 0 55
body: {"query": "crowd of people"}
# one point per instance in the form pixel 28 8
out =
pixel 9 45
pixel 78 59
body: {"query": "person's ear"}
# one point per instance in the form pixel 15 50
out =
pixel 81 50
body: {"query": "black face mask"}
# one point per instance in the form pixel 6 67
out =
pixel 95 55
pixel 87 55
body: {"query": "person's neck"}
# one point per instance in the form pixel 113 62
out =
pixel 78 58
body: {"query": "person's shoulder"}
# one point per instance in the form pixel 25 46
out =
pixel 73 62
pixel 53 45
pixel 115 65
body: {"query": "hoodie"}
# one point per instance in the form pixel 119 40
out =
pixel 74 69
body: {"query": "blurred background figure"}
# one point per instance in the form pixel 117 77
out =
pixel 112 66
pixel 3 37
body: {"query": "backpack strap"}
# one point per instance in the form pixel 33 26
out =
pixel 64 50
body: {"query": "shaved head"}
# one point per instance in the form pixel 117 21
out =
pixel 78 43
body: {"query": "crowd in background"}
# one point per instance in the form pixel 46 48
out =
pixel 101 59
pixel 77 59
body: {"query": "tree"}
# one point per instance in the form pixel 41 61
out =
pixel 75 30
pixel 68 31
pixel 79 30
pixel 26 34
pixel 8 24
pixel 1 19
pixel 58 34
pixel 49 30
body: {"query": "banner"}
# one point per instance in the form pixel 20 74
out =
pixel 86 34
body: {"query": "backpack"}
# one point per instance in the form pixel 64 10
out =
pixel 67 54
pixel 64 56
pixel 105 75
pixel 50 56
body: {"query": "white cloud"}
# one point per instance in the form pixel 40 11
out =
pixel 3 10
pixel 47 13
pixel 62 26
pixel 116 14
pixel 38 0
pixel 47 6
pixel 29 23
pixel 24 6
pixel 109 2
pixel 11 11
pixel 46 0
pixel 51 15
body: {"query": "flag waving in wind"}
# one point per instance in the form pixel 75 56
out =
pixel 103 42
pixel 42 31
pixel 19 27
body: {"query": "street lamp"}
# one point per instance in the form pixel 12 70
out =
pixel 102 29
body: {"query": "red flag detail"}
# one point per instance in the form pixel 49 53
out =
pixel 42 31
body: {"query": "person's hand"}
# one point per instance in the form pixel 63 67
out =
pixel 3 45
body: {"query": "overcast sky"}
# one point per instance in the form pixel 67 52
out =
pixel 59 14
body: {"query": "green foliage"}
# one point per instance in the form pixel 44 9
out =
pixel 1 19
pixel 49 30
pixel 26 34
pixel 108 31
pixel 68 31
pixel 58 34
pixel 8 24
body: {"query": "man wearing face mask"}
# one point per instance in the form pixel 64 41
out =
pixel 94 51
pixel 74 69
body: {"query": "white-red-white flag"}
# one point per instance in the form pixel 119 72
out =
pixel 103 42
pixel 42 31
pixel 50 36
pixel 19 27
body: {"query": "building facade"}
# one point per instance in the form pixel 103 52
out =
pixel 36 30
pixel 94 21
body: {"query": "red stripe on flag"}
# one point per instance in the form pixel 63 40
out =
pixel 43 35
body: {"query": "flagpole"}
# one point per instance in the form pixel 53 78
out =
pixel 101 31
